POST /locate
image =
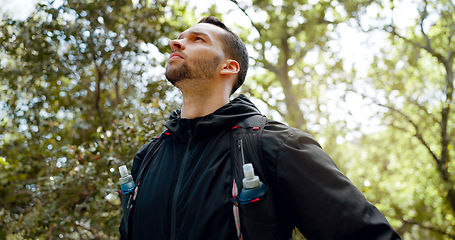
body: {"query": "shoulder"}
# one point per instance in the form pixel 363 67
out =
pixel 142 152
pixel 278 135
pixel 285 148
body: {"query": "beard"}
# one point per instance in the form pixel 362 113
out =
pixel 201 69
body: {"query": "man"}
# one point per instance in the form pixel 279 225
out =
pixel 185 191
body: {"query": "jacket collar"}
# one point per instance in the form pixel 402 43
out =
pixel 223 118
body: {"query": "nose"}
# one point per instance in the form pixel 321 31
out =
pixel 177 44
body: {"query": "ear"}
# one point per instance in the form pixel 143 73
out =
pixel 230 67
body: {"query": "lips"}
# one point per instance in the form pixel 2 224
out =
pixel 175 55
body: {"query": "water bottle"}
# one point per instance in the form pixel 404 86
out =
pixel 126 180
pixel 253 188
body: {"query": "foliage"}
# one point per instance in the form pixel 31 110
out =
pixel 295 66
pixel 402 183
pixel 412 82
pixel 84 90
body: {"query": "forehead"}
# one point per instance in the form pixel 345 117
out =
pixel 212 31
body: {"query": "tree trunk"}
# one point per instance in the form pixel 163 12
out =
pixel 443 164
pixel 98 98
pixel 294 113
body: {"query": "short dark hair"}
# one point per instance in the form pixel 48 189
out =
pixel 234 48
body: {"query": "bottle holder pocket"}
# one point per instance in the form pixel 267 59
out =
pixel 126 204
pixel 259 219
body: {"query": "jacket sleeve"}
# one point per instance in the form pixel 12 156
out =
pixel 314 195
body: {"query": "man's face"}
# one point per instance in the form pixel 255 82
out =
pixel 196 54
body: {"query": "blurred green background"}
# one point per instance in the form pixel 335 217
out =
pixel 82 88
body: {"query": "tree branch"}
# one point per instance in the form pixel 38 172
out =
pixel 302 27
pixel 423 16
pixel 453 4
pixel 418 45
pixel 98 96
pixel 301 55
pixel 423 108
pixel 119 75
pixel 93 232
pixel 431 228
pixel 246 14
pixel 427 47
pixel 398 128
pixel 100 75
pixel 442 162
pixel 392 30
pixel 417 134
pixel 271 68
pixel 270 106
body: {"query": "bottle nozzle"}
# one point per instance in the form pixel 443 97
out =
pixel 123 171
pixel 250 180
pixel 248 170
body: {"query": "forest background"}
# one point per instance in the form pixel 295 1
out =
pixel 82 88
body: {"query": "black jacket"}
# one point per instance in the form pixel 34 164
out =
pixel 186 191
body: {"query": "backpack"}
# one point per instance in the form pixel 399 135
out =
pixel 255 220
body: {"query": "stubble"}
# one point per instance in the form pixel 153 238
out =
pixel 201 69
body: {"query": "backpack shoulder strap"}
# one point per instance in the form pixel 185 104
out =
pixel 246 144
pixel 151 151
pixel 257 219
pixel 246 147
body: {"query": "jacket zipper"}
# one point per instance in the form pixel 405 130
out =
pixel 240 146
pixel 178 186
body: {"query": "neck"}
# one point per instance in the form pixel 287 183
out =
pixel 199 105
pixel 194 107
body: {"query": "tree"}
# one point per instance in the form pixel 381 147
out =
pixel 399 180
pixel 413 84
pixel 298 66
pixel 84 90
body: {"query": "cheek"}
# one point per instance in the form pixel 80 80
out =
pixel 208 51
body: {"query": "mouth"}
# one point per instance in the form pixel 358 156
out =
pixel 175 55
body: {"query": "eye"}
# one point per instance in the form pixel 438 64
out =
pixel 198 39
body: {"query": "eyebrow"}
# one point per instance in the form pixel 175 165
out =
pixel 195 33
